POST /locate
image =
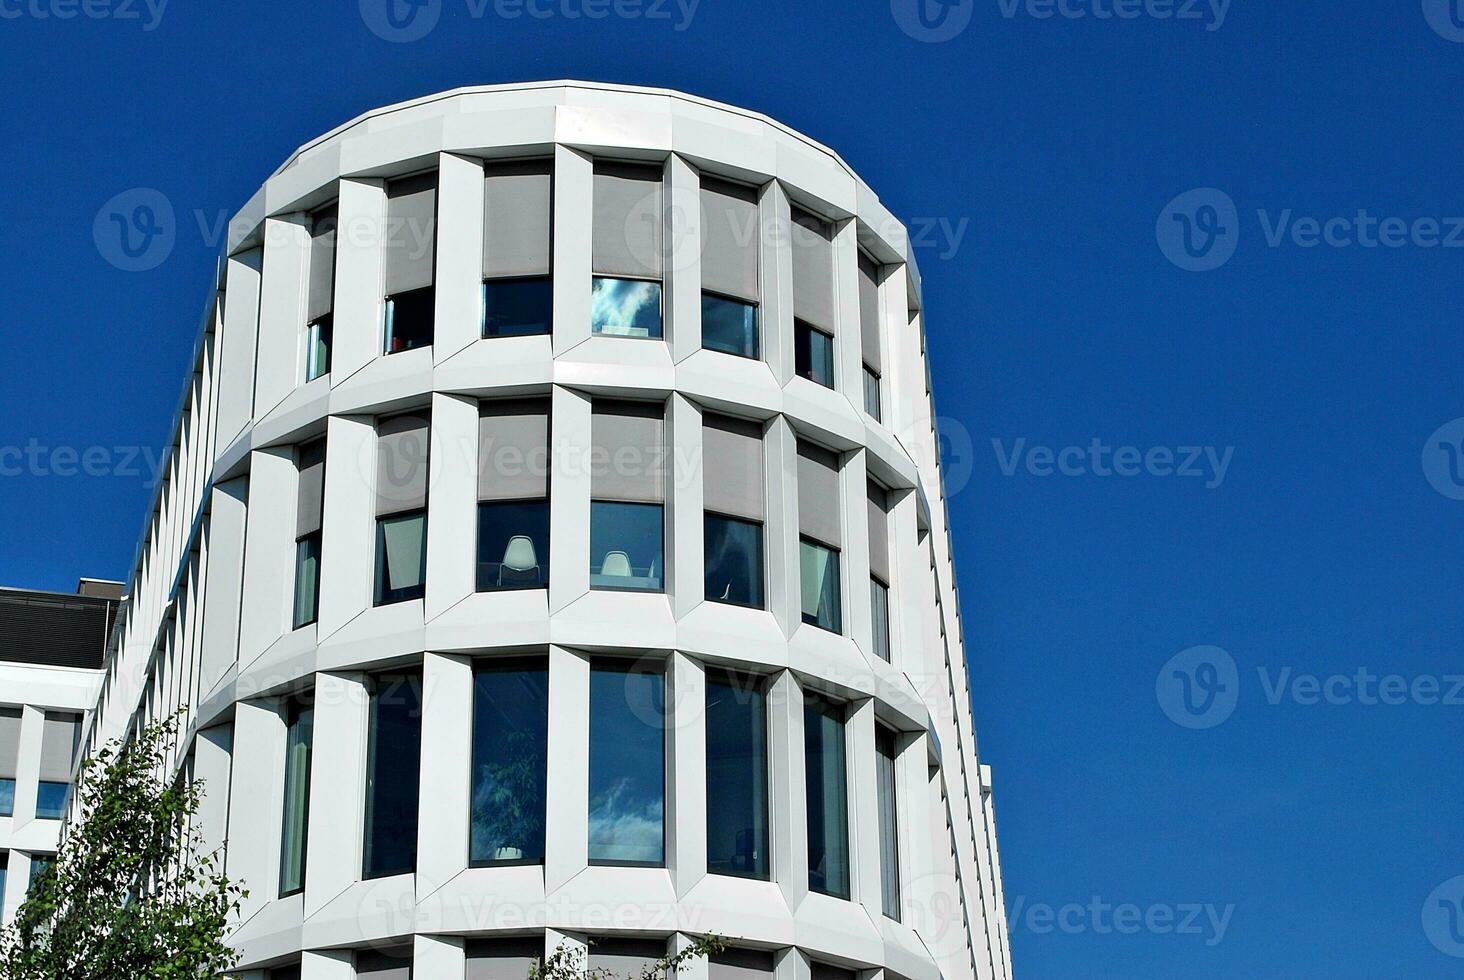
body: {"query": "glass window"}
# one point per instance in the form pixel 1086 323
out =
pixel 510 763
pixel 813 354
pixel 871 394
pixel 401 557
pixel 390 964
pixel 879 603
pixel 626 542
pixel 40 864
pixel 7 797
pixel 625 307
pixel 729 326
pixel 4 869
pixel 318 336
pixel 826 776
pixel 299 736
pixel 394 759
pixel 819 567
pixel 307 579
pixel 518 307
pixel 513 545
pixel 51 800
pixel 737 777
pixel 285 973
pixel 409 319
pixel 734 556
pixel 889 828
pixel 627 764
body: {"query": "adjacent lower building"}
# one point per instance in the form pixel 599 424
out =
pixel 51 647
pixel 553 553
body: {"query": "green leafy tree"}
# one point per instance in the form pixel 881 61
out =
pixel 568 963
pixel 131 892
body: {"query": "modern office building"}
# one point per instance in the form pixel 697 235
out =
pixel 553 551
pixel 51 647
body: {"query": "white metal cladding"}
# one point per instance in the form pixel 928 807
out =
pixel 207 624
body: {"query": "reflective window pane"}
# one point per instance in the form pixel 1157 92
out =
pixel 625 307
pixel 879 603
pixel 889 831
pixel 51 800
pixel 40 864
pixel 510 759
pixel 819 574
pixel 409 320
pixel 307 579
pixel 737 777
pixel 518 307
pixel 734 557
pixel 871 394
pixel 626 542
pixel 826 779
pixel 813 354
pixel 513 545
pixel 7 797
pixel 299 736
pixel 392 774
pixel 729 326
pixel 627 765
pixel 318 337
pixel 401 557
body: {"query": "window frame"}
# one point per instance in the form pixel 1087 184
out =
pixel 760 684
pixel 626 665
pixel 380 588
pixel 295 709
pixel 508 665
pixel 837 563
pixel 803 328
pixel 832 708
pixel 762 564
pixel 389 320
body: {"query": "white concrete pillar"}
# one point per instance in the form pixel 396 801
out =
pixel 696 968
pixel 574 203
pixel 452 503
pixel 224 589
pixel 573 944
pixel 282 309
pixel 257 802
pixel 686 559
pixel 775 221
pixel 683 258
pixel 848 342
pixel 338 787
pixel 567 822
pixel 348 534
pixel 328 964
pixel 446 781
pixel 902 359
pixel 359 300
pixel 788 807
pixel 28 765
pixel 858 615
pixel 906 557
pixel 459 255
pixel 240 336
pixel 864 869
pixel 213 768
pixel 686 766
pixel 269 552
pixel 439 957
pixel 785 598
pixel 569 497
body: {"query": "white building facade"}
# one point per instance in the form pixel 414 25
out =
pixel 553 552
pixel 51 647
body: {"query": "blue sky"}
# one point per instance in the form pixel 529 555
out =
pixel 1316 373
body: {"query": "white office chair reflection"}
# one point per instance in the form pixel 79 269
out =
pixel 616 565
pixel 520 563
